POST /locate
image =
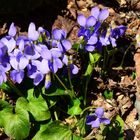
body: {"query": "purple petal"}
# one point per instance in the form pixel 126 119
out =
pixel 58 34
pixel 21 45
pixel 17 76
pixel 90 118
pixel 45 53
pixel 55 52
pixel 58 62
pixel 32 33
pixel 65 59
pixel 66 44
pixel 25 38
pixel 103 14
pixel 3 77
pixel 96 27
pixel 6 66
pixel 23 63
pixel 74 69
pixel 41 29
pixel 105 41
pixel 81 19
pixel 14 63
pixel 95 12
pixel 105 120
pixel 29 50
pixel 81 31
pixel 96 123
pixel 43 66
pixel 12 30
pixel 89 48
pixel 91 21
pixel 47 84
pixel 99 46
pixel 99 112
pixel 32 69
pixel 11 44
pixel 93 40
pixel 38 78
pixel 113 41
pixel 122 29
pixel 93 121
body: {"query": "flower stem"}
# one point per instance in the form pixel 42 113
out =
pixel 3 96
pixel 87 108
pixel 55 115
pixel 60 82
pixel 87 75
pixel 121 65
pixel 10 82
pixel 71 86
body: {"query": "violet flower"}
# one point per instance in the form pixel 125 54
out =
pixel 118 31
pixel 86 24
pixel 98 14
pixel 91 43
pixel 12 30
pixel 59 40
pixel 97 118
pixel 32 33
pixel 3 70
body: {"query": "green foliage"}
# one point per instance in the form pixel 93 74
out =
pixel 94 57
pixel 5 108
pixel 115 130
pixel 54 131
pixel 37 106
pixel 133 75
pixel 14 120
pixel 75 109
pixel 108 94
pixel 5 87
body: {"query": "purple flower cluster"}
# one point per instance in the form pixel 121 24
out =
pixel 94 32
pixel 37 55
pixel 97 118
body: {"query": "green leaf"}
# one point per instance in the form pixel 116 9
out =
pixel 5 108
pixel 108 94
pixel 58 92
pixel 5 87
pixel 120 122
pixel 54 131
pixel 17 125
pixel 37 106
pixel 75 137
pixel 115 130
pixel 94 57
pixel 81 125
pixel 75 108
pixel 89 70
pixel 76 46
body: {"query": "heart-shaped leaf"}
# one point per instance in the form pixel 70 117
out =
pixel 37 106
pixel 75 108
pixel 5 108
pixel 55 131
pixel 17 125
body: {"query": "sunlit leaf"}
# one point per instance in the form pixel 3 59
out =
pixel 75 109
pixel 54 131
pixel 17 125
pixel 37 106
